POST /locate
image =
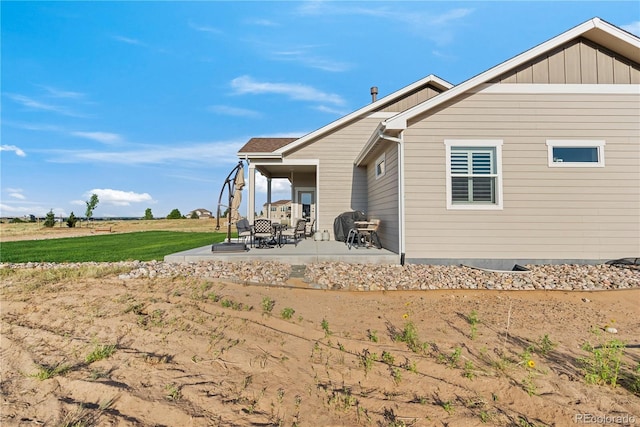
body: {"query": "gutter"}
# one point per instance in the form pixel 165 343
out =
pixel 400 142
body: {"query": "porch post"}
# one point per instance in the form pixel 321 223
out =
pixel 251 202
pixel 269 198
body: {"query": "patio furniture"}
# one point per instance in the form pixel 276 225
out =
pixel 244 230
pixel 364 233
pixel 299 231
pixel 309 229
pixel 263 232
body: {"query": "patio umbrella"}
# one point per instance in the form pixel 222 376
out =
pixel 238 184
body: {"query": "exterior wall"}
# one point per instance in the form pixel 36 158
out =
pixel 411 100
pixel 383 197
pixel 342 186
pixel 578 62
pixel 549 213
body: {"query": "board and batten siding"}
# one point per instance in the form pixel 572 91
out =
pixel 383 196
pixel 342 186
pixel 549 212
pixel 578 62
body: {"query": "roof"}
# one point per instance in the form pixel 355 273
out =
pixel 280 202
pixel 278 146
pixel 265 145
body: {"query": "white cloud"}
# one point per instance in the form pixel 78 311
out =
pixel 102 137
pixel 301 56
pixel 205 28
pixel 59 93
pixel 19 152
pixel 41 106
pixel 17 195
pixel 633 28
pixel 247 85
pixel 118 197
pixel 233 111
pixel 208 153
pixel 128 40
pixel 329 110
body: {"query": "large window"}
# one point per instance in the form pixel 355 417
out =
pixel 576 154
pixel 474 174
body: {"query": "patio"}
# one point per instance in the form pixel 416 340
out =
pixel 308 251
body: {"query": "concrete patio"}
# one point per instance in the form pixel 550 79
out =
pixel 306 252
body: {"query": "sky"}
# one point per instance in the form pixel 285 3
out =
pixel 147 103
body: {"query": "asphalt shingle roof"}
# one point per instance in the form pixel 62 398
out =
pixel 265 145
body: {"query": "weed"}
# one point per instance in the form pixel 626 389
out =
pixel 46 372
pixel 372 335
pixel 602 365
pixel 485 416
pixel 173 392
pixel 100 351
pixel 387 358
pixel 545 345
pixel 409 336
pixel 469 370
pixel 367 359
pixel 448 407
pixel 287 313
pixel 325 327
pixel 473 320
pixel 396 373
pixel 267 305
pixel 528 385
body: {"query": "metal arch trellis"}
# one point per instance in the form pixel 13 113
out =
pixel 229 184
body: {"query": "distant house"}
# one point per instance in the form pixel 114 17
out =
pixel 201 214
pixel 278 211
pixel 535 160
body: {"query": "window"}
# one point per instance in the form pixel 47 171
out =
pixel 576 154
pixel 474 174
pixel 380 166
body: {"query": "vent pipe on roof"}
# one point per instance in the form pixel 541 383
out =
pixel 374 93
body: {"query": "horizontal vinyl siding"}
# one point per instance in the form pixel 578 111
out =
pixel 342 186
pixel 549 213
pixel 383 197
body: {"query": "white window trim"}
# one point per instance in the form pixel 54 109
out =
pixel 552 143
pixel 486 143
pixel 381 159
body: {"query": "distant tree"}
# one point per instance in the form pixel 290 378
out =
pixel 92 203
pixel 194 215
pixel 71 221
pixel 50 219
pixel 148 214
pixel 174 214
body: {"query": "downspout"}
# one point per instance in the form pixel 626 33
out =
pixel 400 142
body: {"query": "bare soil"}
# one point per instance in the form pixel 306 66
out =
pixel 186 352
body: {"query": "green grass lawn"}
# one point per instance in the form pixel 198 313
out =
pixel 142 246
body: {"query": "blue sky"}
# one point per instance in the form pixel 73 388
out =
pixel 146 103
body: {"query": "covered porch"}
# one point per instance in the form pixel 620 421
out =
pixel 306 252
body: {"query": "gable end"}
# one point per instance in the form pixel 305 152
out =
pixel 577 62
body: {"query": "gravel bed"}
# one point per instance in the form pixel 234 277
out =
pixel 338 275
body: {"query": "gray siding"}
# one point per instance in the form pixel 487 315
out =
pixel 342 186
pixel 383 197
pixel 562 213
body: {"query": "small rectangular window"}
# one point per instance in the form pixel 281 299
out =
pixel 380 166
pixel 570 153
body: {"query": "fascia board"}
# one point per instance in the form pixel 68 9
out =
pixel 256 155
pixel 367 147
pixel 399 122
pixel 443 84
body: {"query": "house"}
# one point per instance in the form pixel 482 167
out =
pixel 279 210
pixel 536 160
pixel 200 213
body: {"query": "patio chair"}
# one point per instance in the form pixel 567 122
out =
pixel 244 230
pixel 309 229
pixel 262 232
pixel 371 234
pixel 299 231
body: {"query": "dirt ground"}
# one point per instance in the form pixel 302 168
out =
pixel 98 350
